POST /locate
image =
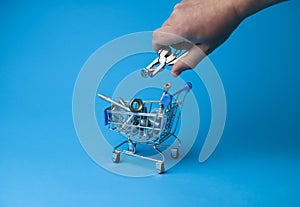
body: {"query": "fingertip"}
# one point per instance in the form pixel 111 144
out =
pixel 174 74
pixel 189 60
pixel 179 67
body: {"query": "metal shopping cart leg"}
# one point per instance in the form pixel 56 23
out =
pixel 116 156
pixel 160 166
pixel 175 149
pixel 131 145
pixel 116 153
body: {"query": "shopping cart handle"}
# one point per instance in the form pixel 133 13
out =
pixel 166 99
pixel 188 86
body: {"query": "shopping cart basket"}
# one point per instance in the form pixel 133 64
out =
pixel 147 122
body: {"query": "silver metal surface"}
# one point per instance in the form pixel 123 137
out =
pixel 113 102
pixel 166 57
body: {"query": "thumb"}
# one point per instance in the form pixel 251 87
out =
pixel 189 60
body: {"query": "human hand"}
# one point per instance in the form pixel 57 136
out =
pixel 205 23
pixel 200 26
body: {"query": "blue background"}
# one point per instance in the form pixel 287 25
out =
pixel 45 44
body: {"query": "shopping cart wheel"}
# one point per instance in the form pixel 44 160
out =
pixel 131 147
pixel 174 153
pixel 160 167
pixel 116 156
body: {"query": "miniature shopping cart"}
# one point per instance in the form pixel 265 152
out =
pixel 147 122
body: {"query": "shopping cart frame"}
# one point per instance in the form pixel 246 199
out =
pixel 152 126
